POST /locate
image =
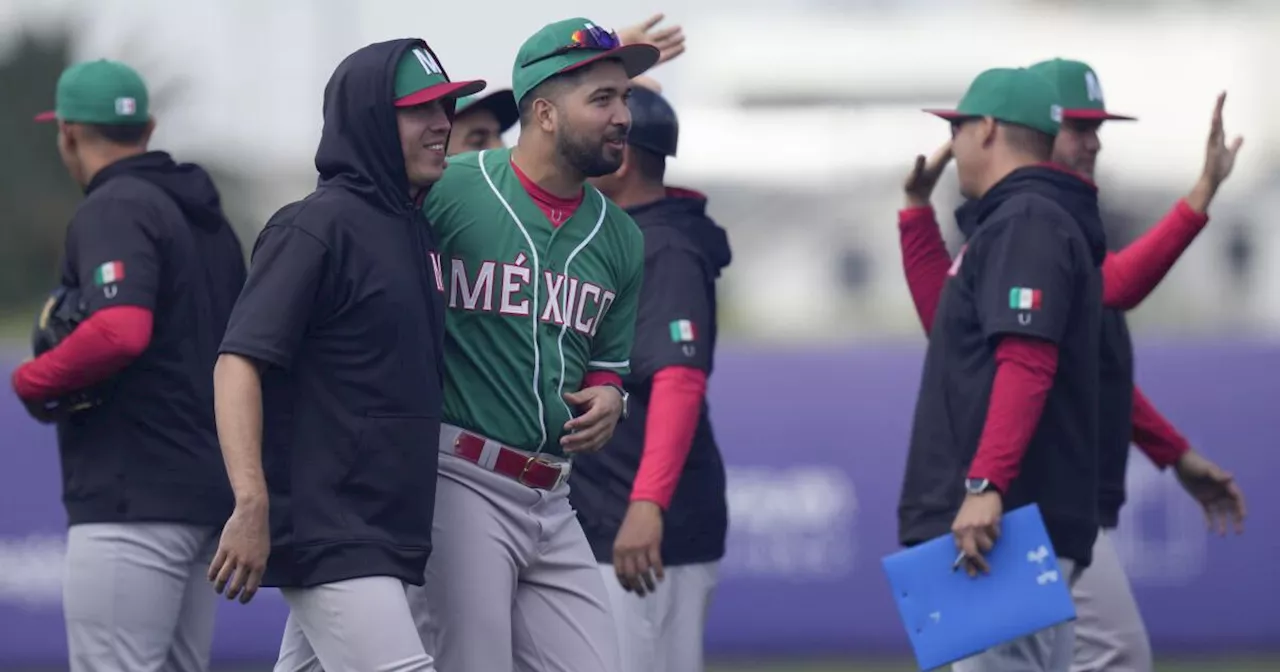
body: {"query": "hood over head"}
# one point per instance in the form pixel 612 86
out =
pixel 360 144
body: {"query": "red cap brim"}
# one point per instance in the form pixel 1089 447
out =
pixel 949 115
pixel 445 90
pixel 47 116
pixel 1094 115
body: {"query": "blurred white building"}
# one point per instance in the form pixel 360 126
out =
pixel 800 126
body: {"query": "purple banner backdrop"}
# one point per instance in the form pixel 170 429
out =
pixel 815 444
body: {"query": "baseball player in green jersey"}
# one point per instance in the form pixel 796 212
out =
pixel 542 275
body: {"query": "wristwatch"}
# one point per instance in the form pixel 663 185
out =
pixel 626 400
pixel 977 486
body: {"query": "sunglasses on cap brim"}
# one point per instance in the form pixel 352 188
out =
pixel 593 39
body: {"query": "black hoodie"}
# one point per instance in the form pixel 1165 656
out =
pixel 1030 267
pixel 151 234
pixel 685 252
pixel 1115 390
pixel 343 308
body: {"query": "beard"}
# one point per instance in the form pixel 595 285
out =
pixel 590 156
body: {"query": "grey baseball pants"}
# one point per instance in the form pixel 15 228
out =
pixel 1049 650
pixel 359 625
pixel 137 597
pixel 512 583
pixel 662 631
pixel 1110 634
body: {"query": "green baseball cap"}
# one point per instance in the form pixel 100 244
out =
pixel 502 103
pixel 1078 89
pixel 573 43
pixel 99 92
pixel 1012 95
pixel 420 79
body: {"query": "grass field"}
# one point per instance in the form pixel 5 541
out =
pixel 1255 664
pixel 1202 665
pixel 1232 664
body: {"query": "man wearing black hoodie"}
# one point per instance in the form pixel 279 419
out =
pixel 328 387
pixel 652 503
pixel 1008 408
pixel 157 268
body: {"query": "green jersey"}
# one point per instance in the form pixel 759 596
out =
pixel 532 307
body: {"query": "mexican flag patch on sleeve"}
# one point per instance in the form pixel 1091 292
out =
pixel 1025 298
pixel 682 332
pixel 108 273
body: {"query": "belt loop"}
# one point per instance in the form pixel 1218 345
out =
pixel 489 454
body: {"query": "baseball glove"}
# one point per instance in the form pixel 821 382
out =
pixel 62 313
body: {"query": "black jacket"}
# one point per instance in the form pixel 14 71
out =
pixel 1115 415
pixel 151 234
pixel 685 252
pixel 342 304
pixel 1030 267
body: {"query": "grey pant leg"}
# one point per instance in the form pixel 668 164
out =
pixel 511 584
pixel 1110 634
pixel 296 654
pixel 663 631
pixel 193 638
pixel 136 599
pixel 561 621
pixel 1049 650
pixel 482 532
pixel 359 625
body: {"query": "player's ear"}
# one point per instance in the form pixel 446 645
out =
pixel 987 130
pixel 544 115
pixel 67 136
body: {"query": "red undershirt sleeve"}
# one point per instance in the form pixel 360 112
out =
pixel 924 260
pixel 675 406
pixel 99 348
pixel 1130 275
pixel 1025 368
pixel 597 378
pixel 1154 435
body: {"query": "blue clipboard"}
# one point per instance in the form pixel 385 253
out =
pixel 950 616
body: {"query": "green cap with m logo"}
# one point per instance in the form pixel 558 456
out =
pixel 421 79
pixel 1013 96
pixel 1078 89
pixel 100 92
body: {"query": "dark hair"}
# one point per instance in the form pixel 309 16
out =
pixel 1029 141
pixel 550 88
pixel 120 134
pixel 651 166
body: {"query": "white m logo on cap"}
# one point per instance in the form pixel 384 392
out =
pixel 428 61
pixel 1092 87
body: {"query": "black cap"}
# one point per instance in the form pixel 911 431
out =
pixel 502 103
pixel 653 122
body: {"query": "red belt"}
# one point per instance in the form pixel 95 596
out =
pixel 528 470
